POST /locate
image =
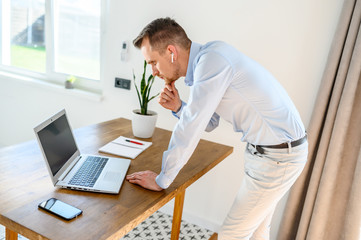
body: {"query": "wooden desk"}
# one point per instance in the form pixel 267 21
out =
pixel 24 182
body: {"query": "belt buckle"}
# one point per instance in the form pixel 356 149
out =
pixel 259 149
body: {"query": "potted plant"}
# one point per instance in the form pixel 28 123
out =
pixel 143 120
pixel 69 83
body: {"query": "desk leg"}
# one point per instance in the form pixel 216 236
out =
pixel 177 215
pixel 10 235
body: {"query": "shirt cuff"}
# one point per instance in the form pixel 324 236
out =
pixel 178 114
pixel 163 181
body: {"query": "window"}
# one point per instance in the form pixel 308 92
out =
pixel 52 39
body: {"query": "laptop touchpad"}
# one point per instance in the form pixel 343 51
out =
pixel 112 176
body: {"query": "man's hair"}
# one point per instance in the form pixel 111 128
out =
pixel 162 32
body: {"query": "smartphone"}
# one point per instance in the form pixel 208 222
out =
pixel 60 208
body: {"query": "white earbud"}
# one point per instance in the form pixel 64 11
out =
pixel 172 57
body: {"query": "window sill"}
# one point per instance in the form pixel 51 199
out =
pixel 52 86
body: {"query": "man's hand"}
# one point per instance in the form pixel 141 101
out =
pixel 145 179
pixel 169 98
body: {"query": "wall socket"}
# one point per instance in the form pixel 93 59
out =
pixel 122 83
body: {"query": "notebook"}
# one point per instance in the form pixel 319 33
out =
pixel 125 147
pixel 68 168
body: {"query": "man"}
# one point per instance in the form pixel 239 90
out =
pixel 226 83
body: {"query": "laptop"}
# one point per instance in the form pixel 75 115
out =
pixel 70 169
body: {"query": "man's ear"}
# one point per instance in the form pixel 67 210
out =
pixel 172 51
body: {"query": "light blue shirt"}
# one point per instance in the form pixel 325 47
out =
pixel 225 83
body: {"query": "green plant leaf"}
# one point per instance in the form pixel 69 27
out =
pixel 149 85
pixel 136 87
pixel 150 78
pixel 153 96
pixel 145 99
pixel 142 84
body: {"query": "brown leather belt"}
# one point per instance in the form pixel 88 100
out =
pixel 296 143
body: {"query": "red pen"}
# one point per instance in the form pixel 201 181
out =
pixel 133 142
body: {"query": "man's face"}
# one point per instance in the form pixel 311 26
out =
pixel 162 65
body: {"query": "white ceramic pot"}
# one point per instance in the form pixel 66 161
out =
pixel 143 125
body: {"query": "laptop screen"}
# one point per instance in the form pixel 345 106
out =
pixel 58 143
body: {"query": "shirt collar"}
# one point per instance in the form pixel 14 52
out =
pixel 195 49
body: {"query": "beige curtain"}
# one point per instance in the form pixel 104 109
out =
pixel 325 202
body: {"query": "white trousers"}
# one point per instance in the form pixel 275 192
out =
pixel 268 177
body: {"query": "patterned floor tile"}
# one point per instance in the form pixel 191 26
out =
pixel 159 226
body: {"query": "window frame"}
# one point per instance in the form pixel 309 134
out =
pixel 50 76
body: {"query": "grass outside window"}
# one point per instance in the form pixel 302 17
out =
pixel 31 58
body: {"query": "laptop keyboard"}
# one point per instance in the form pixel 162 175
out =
pixel 89 172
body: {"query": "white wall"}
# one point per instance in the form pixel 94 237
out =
pixel 290 38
